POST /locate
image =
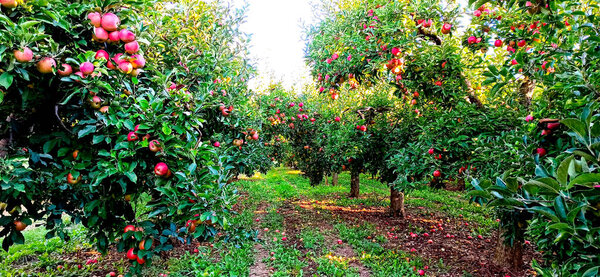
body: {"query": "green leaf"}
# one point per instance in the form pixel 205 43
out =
pixel 592 272
pixel 6 79
pixel 586 179
pixel 559 207
pixel 562 173
pixel 166 129
pixel 97 139
pixel 132 176
pixel 545 211
pixel 575 125
pixel 88 129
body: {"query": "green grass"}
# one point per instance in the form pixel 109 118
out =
pixel 268 193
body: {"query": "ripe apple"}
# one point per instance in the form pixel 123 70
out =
pixel 114 37
pixel 142 245
pixel 19 225
pixel 125 67
pixel 498 43
pixel 131 254
pixel 24 56
pixel 255 136
pixel 541 151
pixel 46 65
pixel 9 4
pixel 65 70
pixel 75 154
pixel 140 260
pixel 161 169
pixel 102 54
pixel 431 151
pixel 126 35
pixel 86 68
pixel 71 180
pixel 217 144
pixel 154 146
pixel 100 35
pixel 129 228
pixel 437 173
pixel 95 19
pixel 446 28
pixel 110 22
pixel 132 47
pixel 112 274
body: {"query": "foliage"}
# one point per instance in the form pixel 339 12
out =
pixel 82 144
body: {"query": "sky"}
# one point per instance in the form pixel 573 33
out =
pixel 277 39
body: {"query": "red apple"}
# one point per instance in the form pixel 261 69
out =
pixel 71 180
pixel 46 65
pixel 541 151
pixel 102 54
pixel 95 19
pixel 114 36
pixel 161 169
pixel 100 35
pixel 132 47
pixel 437 173
pixel 65 70
pixel 498 43
pixel 138 61
pixel 154 146
pixel 110 22
pixel 132 136
pixel 131 254
pixel 24 56
pixel 9 4
pixel 95 102
pixel 86 68
pixel 217 144
pixel 129 228
pixel 446 28
pixel 126 36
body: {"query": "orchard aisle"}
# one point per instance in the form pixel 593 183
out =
pixel 308 231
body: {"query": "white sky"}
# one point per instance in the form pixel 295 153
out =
pixel 277 45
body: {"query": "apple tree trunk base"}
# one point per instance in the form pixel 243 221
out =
pixel 354 184
pixel 510 256
pixel 396 203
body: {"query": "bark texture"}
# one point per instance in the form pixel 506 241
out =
pixel 354 183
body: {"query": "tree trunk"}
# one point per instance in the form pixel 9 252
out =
pixel 354 183
pixel 396 203
pixel 326 182
pixel 510 256
pixel 526 91
pixel 334 179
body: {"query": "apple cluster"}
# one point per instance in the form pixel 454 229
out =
pixel 106 29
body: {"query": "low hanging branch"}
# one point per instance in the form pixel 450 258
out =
pixel 368 113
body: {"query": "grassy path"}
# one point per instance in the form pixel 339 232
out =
pixel 319 231
pixel 285 227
